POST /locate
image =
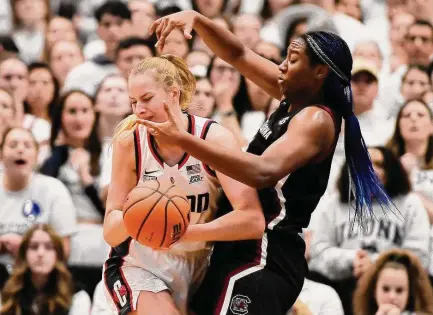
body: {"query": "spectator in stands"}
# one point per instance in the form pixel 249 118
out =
pixel 100 305
pixel 41 283
pixel 143 14
pixel 210 9
pixel 76 160
pixel 176 44
pixel 342 251
pixel 132 50
pixel 28 197
pixel 247 27
pixel 365 88
pixel 316 298
pixel 349 7
pixel 43 92
pixel 419 43
pixel 112 104
pixel 14 76
pixel 30 20
pixel 415 82
pixel 399 26
pixel 59 28
pixel 203 102
pixel 198 62
pixel 273 7
pixel 7 112
pixel 396 284
pixel 369 50
pixel 113 23
pixel 412 142
pixel 268 50
pixel 63 57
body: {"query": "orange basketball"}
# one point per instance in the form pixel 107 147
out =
pixel 156 214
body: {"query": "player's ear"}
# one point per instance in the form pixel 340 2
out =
pixel 321 72
pixel 175 93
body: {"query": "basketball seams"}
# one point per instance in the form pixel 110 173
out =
pixel 177 208
pixel 165 224
pixel 150 188
pixel 151 210
pixel 170 198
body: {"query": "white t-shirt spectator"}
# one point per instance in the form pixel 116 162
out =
pixel 336 239
pixel 320 299
pixel 44 200
pixel 80 304
pixel 100 305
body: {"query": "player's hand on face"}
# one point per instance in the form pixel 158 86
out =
pixel 170 131
pixel 162 27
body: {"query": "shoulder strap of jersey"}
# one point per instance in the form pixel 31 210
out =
pixel 337 125
pixel 206 123
pixel 137 149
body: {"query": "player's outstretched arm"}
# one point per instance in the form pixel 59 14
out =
pixel 224 44
pixel 246 221
pixel 123 180
pixel 309 135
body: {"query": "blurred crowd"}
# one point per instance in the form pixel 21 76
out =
pixel 63 89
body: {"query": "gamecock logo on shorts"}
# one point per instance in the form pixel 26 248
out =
pixel 239 304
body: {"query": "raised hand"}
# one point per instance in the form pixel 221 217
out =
pixel 162 27
pixel 169 131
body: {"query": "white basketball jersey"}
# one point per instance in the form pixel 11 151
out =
pixel 194 177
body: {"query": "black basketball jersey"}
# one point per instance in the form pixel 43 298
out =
pixel 288 205
pixel 287 208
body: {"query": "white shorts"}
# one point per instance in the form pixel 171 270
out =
pixel 132 268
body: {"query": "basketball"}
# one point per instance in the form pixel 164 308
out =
pixel 156 214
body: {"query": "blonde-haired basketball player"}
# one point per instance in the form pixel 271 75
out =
pixel 138 279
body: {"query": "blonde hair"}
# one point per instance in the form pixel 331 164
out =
pixel 170 70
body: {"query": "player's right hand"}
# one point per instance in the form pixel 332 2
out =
pixel 162 27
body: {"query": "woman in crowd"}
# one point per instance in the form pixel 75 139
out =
pixel 342 253
pixel 41 283
pixel 415 82
pixel 28 197
pixel 75 160
pixel 412 142
pixel 63 56
pixel 112 104
pixel 59 28
pixel 203 101
pixel 396 284
pixel 14 76
pixel 7 112
pixel 30 19
pixel 42 93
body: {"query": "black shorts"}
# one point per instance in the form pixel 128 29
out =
pixel 256 288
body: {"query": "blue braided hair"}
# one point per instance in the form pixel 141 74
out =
pixel 364 185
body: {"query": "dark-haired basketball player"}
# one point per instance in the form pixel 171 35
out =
pixel 288 161
pixel 141 280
